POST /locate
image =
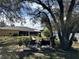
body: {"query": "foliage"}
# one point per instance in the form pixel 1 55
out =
pixel 11 9
pixel 2 24
pixel 15 34
pixel 17 38
pixel 57 41
pixel 46 32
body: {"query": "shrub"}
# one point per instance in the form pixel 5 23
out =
pixel 15 34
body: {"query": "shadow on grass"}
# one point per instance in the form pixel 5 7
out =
pixel 34 53
pixel 48 53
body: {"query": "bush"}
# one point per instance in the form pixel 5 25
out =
pixel 46 32
pixel 15 34
pixel 57 41
pixel 20 42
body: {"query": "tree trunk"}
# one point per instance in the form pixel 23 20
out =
pixel 71 40
pixel 70 43
pixel 52 41
pixel 64 43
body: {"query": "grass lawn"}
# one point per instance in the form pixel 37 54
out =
pixel 8 51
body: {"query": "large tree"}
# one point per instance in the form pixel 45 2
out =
pixel 61 19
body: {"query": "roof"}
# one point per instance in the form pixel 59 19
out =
pixel 19 29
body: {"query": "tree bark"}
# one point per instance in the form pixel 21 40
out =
pixel 71 40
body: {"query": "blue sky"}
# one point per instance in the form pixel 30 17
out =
pixel 34 6
pixel 28 23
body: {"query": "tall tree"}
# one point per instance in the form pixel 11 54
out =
pixel 63 29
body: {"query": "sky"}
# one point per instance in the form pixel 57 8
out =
pixel 28 23
pixel 27 17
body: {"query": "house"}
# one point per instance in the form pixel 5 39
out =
pixel 25 31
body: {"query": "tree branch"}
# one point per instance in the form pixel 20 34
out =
pixel 48 9
pixel 60 2
pixel 68 16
